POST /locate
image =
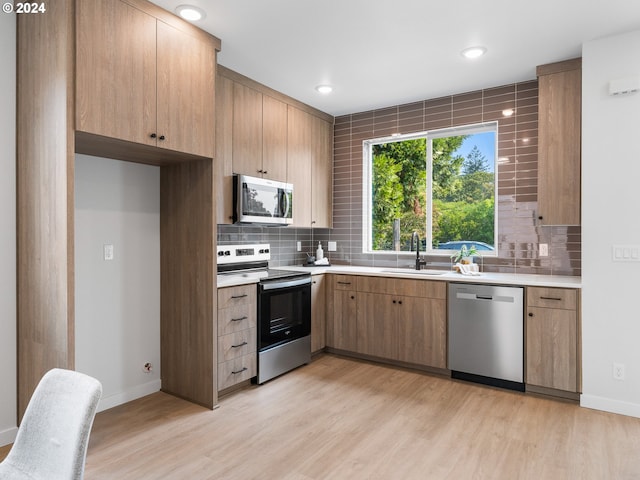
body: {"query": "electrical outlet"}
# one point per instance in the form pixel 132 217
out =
pixel 618 371
pixel 299 246
pixel 332 246
pixel 108 251
pixel 148 367
pixel 544 249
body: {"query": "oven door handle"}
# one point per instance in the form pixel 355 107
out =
pixel 285 284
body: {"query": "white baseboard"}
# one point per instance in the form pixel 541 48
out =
pixel 8 436
pixel 610 405
pixel 138 391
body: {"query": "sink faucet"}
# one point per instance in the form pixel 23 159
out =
pixel 419 263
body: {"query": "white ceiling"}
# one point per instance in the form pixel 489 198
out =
pixel 379 53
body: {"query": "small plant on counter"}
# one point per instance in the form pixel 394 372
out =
pixel 462 255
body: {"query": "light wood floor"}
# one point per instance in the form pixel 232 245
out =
pixel 339 418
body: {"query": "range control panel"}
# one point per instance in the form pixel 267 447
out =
pixel 243 253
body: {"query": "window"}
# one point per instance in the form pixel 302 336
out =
pixel 441 184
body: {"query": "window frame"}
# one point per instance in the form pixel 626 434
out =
pixel 429 136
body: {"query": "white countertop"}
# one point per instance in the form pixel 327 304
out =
pixel 491 278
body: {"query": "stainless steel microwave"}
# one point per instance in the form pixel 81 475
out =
pixel 258 200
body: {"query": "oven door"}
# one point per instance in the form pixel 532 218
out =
pixel 284 311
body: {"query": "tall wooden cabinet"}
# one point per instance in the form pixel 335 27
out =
pixel 56 99
pixel 559 142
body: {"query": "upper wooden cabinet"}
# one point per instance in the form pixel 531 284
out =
pixel 559 138
pixel 142 80
pixel 263 133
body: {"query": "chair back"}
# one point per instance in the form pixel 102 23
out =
pixel 52 439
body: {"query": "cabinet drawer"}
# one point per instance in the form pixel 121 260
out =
pixel 234 296
pixel 406 287
pixel 552 298
pixel 236 371
pixel 236 319
pixel 237 344
pixel 345 282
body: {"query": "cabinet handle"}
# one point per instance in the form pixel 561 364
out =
pixel 314 282
pixel 244 369
pixel 265 172
pixel 394 301
pixel 239 345
pixel 540 217
pixel 400 302
pixel 344 283
pixel 239 319
pixel 153 135
pixel 551 298
pixel 239 296
pixel 530 314
pixel 352 297
pixel 161 137
pixel 260 171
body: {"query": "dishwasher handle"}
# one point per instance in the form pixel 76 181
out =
pixel 475 296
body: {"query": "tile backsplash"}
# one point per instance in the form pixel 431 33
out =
pixel 518 233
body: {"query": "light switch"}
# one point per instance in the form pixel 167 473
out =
pixel 299 246
pixel 625 253
pixel 544 249
pixel 108 251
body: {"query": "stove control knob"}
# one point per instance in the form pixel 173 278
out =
pixel 227 253
pixel 266 250
pixel 220 253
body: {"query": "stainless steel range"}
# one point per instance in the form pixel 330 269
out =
pixel 284 307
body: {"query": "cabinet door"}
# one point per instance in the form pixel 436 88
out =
pixel 299 164
pixel 559 139
pixel 322 169
pixel 247 131
pixel 186 92
pixel 422 327
pixel 223 163
pixel 274 139
pixel 551 348
pixel 342 330
pixel 318 313
pixel 378 325
pixel 116 71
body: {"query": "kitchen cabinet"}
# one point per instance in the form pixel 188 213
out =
pixel 140 79
pixel 395 319
pixel 263 133
pixel 237 335
pixel 57 56
pixel 309 168
pixel 559 141
pixel 318 313
pixel 552 339
pixel 342 327
pixel 403 320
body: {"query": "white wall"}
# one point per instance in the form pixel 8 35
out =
pixel 610 183
pixel 117 301
pixel 8 367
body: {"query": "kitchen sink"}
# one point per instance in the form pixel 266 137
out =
pixel 415 272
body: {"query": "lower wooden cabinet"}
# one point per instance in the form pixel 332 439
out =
pixel 318 313
pixel 552 339
pixel 409 328
pixel 237 335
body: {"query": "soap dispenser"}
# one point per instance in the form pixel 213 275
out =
pixel 319 252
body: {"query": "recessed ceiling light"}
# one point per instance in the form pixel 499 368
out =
pixel 474 52
pixel 324 89
pixel 507 112
pixel 190 12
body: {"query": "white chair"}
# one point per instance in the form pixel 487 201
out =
pixel 52 439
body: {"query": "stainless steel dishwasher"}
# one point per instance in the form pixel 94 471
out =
pixel 486 342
